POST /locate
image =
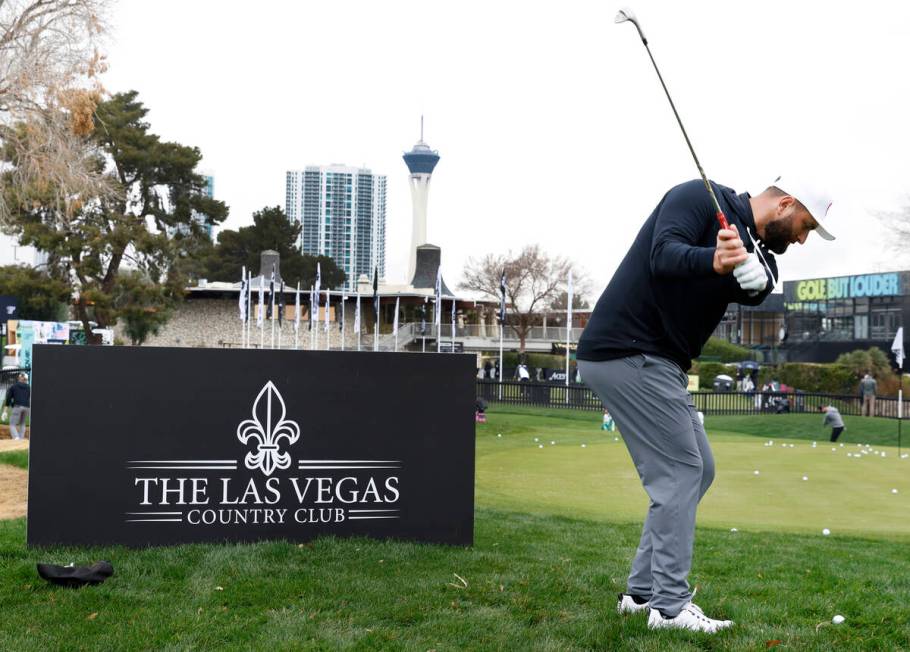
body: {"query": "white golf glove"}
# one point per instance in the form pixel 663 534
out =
pixel 751 275
pixel 3 415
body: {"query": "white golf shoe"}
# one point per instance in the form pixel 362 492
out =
pixel 691 617
pixel 627 605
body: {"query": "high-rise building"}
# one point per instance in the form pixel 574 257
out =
pixel 342 212
pixel 421 161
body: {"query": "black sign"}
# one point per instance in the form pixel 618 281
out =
pixel 151 446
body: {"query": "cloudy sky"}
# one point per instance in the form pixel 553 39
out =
pixel 549 119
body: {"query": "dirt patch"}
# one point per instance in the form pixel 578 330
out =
pixel 13 483
pixel 4 431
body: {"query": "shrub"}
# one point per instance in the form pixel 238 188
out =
pixel 708 370
pixel 717 349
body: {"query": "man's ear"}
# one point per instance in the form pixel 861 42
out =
pixel 784 204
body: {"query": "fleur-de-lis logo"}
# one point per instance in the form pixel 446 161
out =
pixel 267 430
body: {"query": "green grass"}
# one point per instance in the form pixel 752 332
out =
pixel 533 583
pixel 555 532
pixel 15 458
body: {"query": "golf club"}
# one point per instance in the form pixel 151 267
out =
pixel 626 15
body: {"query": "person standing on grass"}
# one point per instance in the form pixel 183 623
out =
pixel 18 397
pixel 661 306
pixel 867 389
pixel 833 419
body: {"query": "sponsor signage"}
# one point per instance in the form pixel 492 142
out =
pixel 156 446
pixel 843 287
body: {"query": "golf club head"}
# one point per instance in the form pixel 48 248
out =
pixel 627 15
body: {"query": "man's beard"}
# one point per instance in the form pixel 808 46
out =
pixel 777 235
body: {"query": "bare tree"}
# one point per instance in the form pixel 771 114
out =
pixel 533 280
pixel 49 63
pixel 897 224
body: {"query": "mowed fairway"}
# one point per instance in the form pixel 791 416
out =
pixel 848 490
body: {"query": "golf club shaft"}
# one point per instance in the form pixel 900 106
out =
pixel 721 218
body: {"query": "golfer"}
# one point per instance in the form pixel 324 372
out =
pixel 833 419
pixel 661 306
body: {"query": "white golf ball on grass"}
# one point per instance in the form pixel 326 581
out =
pixel 838 619
pixel 805 477
pixel 894 491
pixel 756 471
pixel 826 531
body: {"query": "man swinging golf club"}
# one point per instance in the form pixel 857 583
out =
pixel 671 290
pixel 661 306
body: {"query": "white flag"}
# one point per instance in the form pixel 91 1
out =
pixel 897 348
pixel 318 280
pixel 395 322
pixel 438 316
pixel 297 310
pixel 261 302
pixel 357 314
pixel 241 302
pixel 328 300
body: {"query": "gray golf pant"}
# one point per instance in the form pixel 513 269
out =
pixel 17 422
pixel 648 399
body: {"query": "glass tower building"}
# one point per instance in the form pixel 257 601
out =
pixel 342 212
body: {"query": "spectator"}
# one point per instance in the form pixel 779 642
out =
pixel 18 397
pixel 867 387
pixel 488 369
pixel 833 419
pixel 608 421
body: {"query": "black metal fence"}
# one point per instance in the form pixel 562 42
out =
pixel 8 377
pixel 579 397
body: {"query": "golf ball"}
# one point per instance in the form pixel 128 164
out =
pixel 838 619
pixel 833 450
pixel 499 435
pixel 805 477
pixel 883 454
pixel 771 443
pixel 792 445
pixel 756 471
pixel 552 443
pixel 539 445
pixel 826 531
pixel 841 445
pixel 733 529
pixel 894 491
pixel 584 446
pixel 849 454
pixel 536 439
pixel 616 439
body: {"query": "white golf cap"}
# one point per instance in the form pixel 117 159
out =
pixel 816 200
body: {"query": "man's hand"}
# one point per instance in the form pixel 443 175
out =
pixel 729 251
pixel 751 275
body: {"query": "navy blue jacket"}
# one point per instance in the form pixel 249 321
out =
pixel 665 298
pixel 19 395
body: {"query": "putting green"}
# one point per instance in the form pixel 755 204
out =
pixel 847 494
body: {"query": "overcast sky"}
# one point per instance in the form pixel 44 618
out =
pixel 550 122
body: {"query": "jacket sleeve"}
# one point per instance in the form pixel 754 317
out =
pixel 682 218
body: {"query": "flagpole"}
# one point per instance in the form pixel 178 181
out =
pixel 260 315
pixel 568 331
pixel 897 348
pixel 376 326
pixel 297 318
pixel 502 362
pixel 343 299
pixel 357 320
pixel 328 333
pixel 453 325
pixel 395 326
pixel 249 303
pixel 242 299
